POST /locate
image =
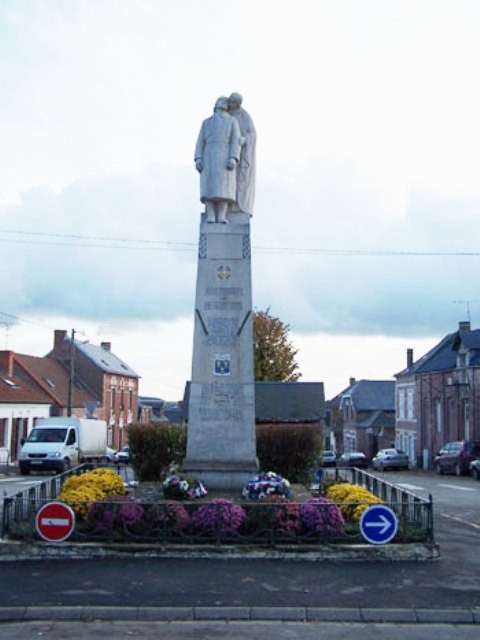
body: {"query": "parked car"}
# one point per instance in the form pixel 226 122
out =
pixel 123 455
pixel 475 468
pixel 390 459
pixel 353 459
pixel 110 454
pixel 455 457
pixel 329 459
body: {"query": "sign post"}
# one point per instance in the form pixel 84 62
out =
pixel 55 522
pixel 378 524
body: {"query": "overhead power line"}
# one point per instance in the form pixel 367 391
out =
pixel 135 244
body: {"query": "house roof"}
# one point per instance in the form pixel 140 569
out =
pixel 16 390
pixel 52 378
pixel 289 401
pixel 105 360
pixel 443 356
pixel 377 419
pixel 283 401
pixel 372 395
pixel 161 409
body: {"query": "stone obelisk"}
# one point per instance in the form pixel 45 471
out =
pixel 221 443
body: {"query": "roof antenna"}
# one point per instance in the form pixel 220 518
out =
pixel 7 329
pixel 467 302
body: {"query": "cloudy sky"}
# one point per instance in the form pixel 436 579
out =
pixel 366 227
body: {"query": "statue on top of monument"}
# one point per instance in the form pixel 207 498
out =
pixel 246 166
pixel 216 157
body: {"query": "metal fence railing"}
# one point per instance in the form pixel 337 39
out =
pixel 408 507
pixel 262 523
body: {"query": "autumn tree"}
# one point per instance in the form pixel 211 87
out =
pixel 274 354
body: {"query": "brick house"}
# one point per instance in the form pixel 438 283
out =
pixel 112 383
pixel 367 408
pixel 438 396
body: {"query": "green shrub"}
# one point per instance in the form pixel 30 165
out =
pixel 154 448
pixel 291 450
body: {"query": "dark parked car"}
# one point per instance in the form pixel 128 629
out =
pixel 390 459
pixel 475 469
pixel 455 457
pixel 353 459
pixel 329 459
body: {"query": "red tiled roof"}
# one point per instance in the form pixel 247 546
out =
pixel 15 390
pixel 52 378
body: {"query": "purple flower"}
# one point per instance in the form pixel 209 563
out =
pixel 130 514
pixel 171 515
pixel 287 519
pixel 219 514
pixel 322 515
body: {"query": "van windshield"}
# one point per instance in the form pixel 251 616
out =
pixel 47 435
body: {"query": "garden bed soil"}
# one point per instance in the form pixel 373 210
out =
pixel 151 492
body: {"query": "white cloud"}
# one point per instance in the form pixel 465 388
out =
pixel 367 140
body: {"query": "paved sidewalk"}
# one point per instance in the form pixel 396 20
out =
pixel 245 614
pixel 234 630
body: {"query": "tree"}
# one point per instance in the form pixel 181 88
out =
pixel 274 355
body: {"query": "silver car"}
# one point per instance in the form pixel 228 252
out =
pixel 475 469
pixel 390 459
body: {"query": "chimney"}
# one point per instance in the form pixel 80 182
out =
pixel 60 336
pixel 107 346
pixel 352 382
pixel 464 326
pixel 6 361
pixel 409 358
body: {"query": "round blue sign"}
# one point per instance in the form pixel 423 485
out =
pixel 378 524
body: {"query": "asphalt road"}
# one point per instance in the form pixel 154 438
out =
pixel 451 583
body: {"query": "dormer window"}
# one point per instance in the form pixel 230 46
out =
pixel 462 360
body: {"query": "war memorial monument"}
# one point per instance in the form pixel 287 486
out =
pixel 221 443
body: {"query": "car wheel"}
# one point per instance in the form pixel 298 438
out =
pixel 458 470
pixel 66 465
pixel 476 474
pixel 439 470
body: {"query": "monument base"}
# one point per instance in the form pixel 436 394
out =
pixel 225 475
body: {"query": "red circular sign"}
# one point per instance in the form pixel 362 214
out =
pixel 55 521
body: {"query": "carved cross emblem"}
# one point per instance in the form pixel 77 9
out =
pixel 224 272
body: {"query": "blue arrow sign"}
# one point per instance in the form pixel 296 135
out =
pixel 378 524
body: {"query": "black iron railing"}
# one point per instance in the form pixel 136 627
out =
pixel 128 520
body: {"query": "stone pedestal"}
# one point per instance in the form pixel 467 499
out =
pixel 221 444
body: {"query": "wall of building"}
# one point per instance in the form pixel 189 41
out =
pixel 16 422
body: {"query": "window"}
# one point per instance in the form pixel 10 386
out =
pixel 112 398
pixel 466 418
pixel 10 383
pixel 401 404
pixel 3 431
pixel 410 405
pixel 438 415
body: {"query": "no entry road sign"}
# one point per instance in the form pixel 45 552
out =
pixel 378 524
pixel 55 521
